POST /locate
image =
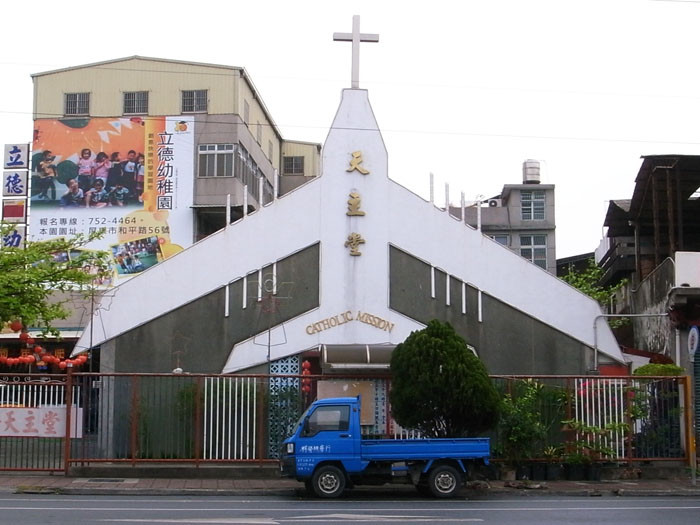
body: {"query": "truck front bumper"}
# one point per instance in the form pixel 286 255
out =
pixel 288 466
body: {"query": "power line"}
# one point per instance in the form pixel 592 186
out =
pixel 418 131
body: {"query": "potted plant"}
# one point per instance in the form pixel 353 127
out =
pixel 521 431
pixel 590 446
pixel 553 466
pixel 576 465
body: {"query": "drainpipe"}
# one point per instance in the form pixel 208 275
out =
pixel 595 331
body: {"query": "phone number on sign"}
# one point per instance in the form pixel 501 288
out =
pixel 104 220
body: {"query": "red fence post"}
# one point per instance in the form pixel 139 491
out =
pixel 134 417
pixel 69 408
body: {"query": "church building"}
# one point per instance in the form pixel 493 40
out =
pixel 339 271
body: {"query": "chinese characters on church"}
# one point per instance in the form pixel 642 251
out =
pixel 44 421
pixel 354 240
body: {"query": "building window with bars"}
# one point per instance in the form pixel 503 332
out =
pixel 194 101
pixel 534 249
pixel 532 204
pixel 136 103
pixel 77 104
pixel 216 160
pixel 293 165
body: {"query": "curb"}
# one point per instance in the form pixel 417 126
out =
pixel 300 492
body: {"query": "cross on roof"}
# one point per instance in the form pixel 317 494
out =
pixel 355 37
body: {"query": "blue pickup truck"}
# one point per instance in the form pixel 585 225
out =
pixel 328 454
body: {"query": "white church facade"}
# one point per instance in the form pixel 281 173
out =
pixel 339 271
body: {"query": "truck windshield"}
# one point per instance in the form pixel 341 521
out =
pixel 301 418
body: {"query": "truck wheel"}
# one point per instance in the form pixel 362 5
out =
pixel 328 482
pixel 444 481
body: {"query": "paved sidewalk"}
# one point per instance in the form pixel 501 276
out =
pixel 60 484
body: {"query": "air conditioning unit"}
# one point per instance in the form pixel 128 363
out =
pixel 495 203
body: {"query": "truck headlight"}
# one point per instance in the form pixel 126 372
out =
pixel 290 448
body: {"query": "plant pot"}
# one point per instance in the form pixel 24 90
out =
pixel 523 472
pixel 575 471
pixel 508 474
pixel 554 471
pixel 593 471
pixel 491 471
pixel 539 471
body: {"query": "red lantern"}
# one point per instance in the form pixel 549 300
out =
pixel 3 360
pixel 30 341
pixel 23 336
pixel 306 389
pixel 38 349
pixel 16 325
pixel 62 365
pixel 306 365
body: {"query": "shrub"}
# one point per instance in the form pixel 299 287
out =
pixel 439 386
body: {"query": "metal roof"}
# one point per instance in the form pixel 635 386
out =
pixel 661 196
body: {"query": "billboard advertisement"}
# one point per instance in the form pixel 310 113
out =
pixel 131 178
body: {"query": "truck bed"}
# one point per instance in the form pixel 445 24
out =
pixel 423 449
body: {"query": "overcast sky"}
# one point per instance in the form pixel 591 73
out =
pixel 464 89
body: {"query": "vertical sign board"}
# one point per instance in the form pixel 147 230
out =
pixel 14 183
pixel 693 342
pixel 131 178
pixel 15 191
pixel 16 157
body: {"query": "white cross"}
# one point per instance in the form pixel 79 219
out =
pixel 355 37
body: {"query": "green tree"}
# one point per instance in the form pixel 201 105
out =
pixel 30 276
pixel 588 282
pixel 439 386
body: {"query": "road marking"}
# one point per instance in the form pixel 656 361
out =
pixel 372 518
pixel 225 521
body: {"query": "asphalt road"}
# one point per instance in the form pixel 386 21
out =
pixel 38 509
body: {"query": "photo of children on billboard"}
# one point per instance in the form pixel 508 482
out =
pixel 94 180
pixel 136 256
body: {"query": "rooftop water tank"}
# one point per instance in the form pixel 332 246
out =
pixel 531 171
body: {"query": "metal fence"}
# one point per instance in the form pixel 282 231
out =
pixel 140 418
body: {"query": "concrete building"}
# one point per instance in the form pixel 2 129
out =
pixel 522 218
pixel 653 242
pixel 236 142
